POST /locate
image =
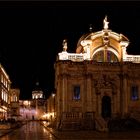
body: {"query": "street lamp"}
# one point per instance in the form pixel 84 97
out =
pixel 53 95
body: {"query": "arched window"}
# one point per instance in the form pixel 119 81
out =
pixel 111 57
pixel 99 56
pixel 105 56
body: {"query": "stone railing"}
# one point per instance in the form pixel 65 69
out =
pixel 132 58
pixel 75 57
pixel 136 115
pixel 71 116
pixel 70 121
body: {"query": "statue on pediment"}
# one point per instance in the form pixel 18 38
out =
pixel 105 23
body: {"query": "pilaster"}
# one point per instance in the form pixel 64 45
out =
pixel 89 94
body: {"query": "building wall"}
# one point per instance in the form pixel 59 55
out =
pixel 27 110
pixel 51 107
pixel 14 103
pixel 96 81
pixel 32 109
pixel 5 84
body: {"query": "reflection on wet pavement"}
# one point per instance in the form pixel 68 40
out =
pixel 30 131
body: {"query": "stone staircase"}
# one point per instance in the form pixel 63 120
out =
pixel 101 124
pixel 123 124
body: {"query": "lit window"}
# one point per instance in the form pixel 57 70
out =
pixel 4 81
pixel 6 84
pixel 4 96
pixel 76 95
pixel 134 93
pixel 100 56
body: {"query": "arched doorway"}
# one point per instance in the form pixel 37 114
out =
pixel 106 107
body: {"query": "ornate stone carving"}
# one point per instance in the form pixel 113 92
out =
pixel 105 82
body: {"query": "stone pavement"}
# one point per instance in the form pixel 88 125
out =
pixel 85 135
pixel 94 135
pixel 5 131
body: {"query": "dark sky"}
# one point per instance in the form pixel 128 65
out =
pixel 31 35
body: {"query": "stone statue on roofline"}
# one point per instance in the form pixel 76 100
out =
pixel 65 45
pixel 105 23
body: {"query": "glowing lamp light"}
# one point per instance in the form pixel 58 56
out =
pixel 53 95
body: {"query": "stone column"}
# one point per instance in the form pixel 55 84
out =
pixel 123 94
pixel 89 94
pixel 118 101
pixel 100 104
pixel 113 104
pixel 121 97
pixel 64 92
pixel 94 100
pixel 105 53
pixel 123 45
pixel 125 98
pixel 58 100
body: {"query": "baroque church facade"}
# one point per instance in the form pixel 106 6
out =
pixel 98 82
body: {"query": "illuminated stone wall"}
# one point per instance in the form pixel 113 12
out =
pixel 14 103
pixel 5 84
pixel 98 82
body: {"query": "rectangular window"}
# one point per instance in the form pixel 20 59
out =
pixel 134 93
pixel 76 95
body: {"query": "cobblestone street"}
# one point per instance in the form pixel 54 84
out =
pixel 94 135
pixel 30 131
pixel 35 131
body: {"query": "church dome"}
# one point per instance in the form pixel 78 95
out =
pixel 37 87
pixel 104 45
pixel 37 93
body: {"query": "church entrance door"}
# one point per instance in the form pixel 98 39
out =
pixel 106 107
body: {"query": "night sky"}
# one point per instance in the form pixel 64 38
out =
pixel 31 35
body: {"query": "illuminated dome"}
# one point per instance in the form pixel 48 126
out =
pixel 37 93
pixel 103 46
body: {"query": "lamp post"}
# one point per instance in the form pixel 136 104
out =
pixel 53 95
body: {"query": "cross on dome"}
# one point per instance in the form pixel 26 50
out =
pixel 90 28
pixel 37 83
